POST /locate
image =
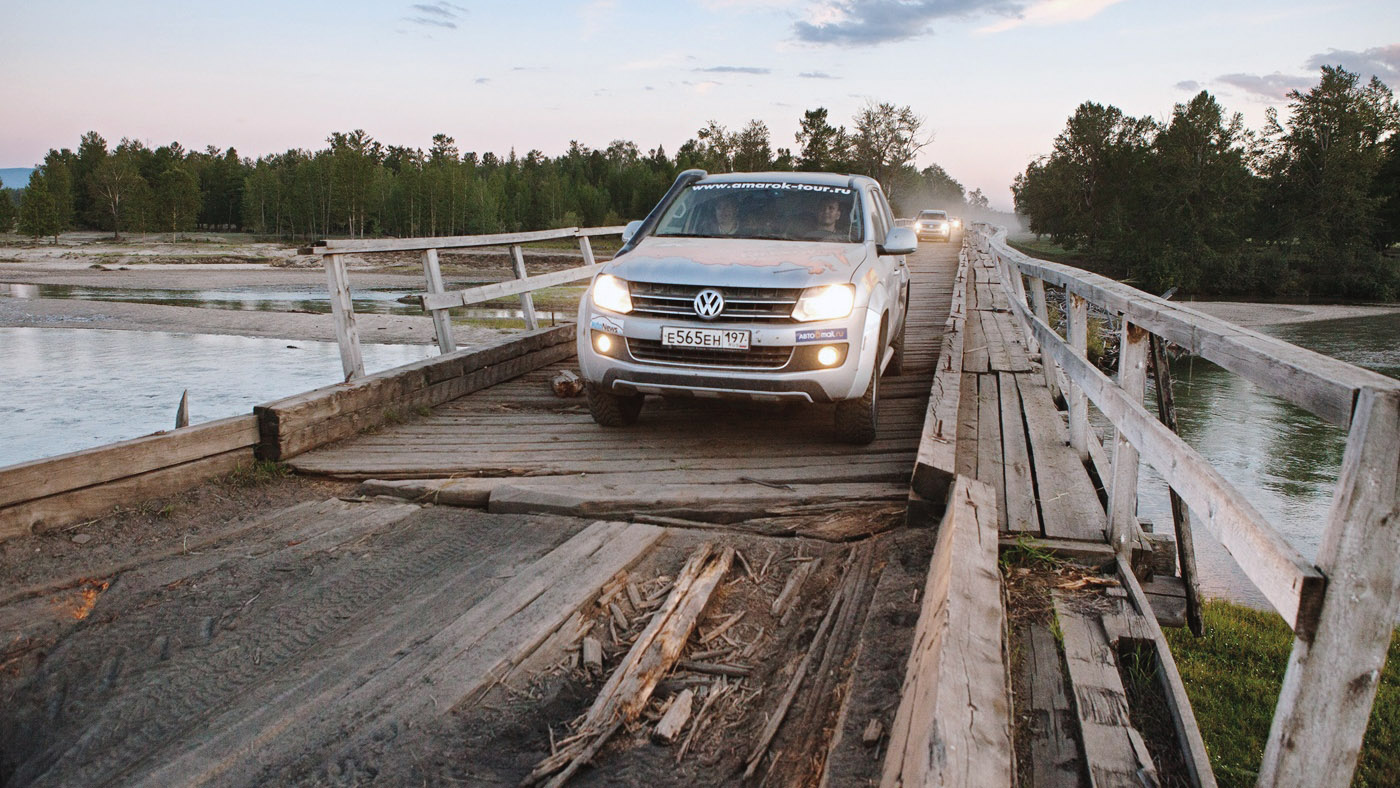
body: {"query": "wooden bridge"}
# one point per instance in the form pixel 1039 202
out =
pixel 718 594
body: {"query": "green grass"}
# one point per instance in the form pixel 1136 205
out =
pixel 1233 675
pixel 258 473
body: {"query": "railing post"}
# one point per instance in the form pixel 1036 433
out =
pixel 586 247
pixel 1331 681
pixel 1078 330
pixel 1132 379
pixel 442 319
pixel 527 301
pixel 1042 311
pixel 343 311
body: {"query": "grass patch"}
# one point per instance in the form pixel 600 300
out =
pixel 1233 675
pixel 258 473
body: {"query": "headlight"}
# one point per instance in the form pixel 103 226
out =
pixel 610 293
pixel 918 225
pixel 825 303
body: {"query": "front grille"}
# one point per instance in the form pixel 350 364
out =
pixel 741 304
pixel 766 357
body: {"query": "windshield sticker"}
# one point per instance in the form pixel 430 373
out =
pixel 821 334
pixel 800 187
pixel 606 325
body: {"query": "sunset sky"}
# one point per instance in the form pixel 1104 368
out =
pixel 994 79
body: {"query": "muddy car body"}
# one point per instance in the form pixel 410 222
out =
pixel 761 286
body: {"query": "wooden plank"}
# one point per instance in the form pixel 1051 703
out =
pixel 989 450
pixel 1114 750
pixel 1188 733
pixel 356 245
pixel 967 440
pixel 953 724
pixel 975 351
pixel 432 675
pixel 1322 385
pixel 1331 682
pixel 1055 761
pixel 1069 507
pixel 442 321
pixel 55 511
pixel 1022 515
pixel 998 356
pixel 519 286
pixel 1181 516
pixel 1122 493
pixel 1092 554
pixel 65 472
pixel 1014 340
pixel 935 466
pixel 1291 584
pixel 343 313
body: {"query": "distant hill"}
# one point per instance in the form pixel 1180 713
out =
pixel 15 177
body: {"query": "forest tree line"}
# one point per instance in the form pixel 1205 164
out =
pixel 357 186
pixel 1310 206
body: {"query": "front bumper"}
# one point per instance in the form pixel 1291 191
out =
pixel 637 363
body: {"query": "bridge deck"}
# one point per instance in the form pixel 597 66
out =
pixel 361 640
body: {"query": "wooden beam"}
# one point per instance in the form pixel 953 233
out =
pixel 1122 493
pixel 343 312
pixel 934 469
pixel 1323 385
pixel 1078 336
pixel 442 321
pixel 1022 514
pixel 527 301
pixel 510 287
pixel 953 724
pixel 358 245
pixel 1331 682
pixel 28 481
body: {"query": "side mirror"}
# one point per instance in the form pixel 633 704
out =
pixel 901 240
pixel 631 229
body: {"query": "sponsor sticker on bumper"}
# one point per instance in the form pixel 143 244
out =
pixel 821 334
pixel 606 324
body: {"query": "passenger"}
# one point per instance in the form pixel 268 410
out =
pixel 828 214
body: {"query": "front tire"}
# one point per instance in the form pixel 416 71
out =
pixel 857 420
pixel 613 410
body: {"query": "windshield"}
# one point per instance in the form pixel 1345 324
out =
pixel 777 211
pixel 933 215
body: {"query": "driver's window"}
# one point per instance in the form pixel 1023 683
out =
pixel 877 217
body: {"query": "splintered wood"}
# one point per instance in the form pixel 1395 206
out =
pixel 653 654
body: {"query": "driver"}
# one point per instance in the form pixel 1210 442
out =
pixel 828 214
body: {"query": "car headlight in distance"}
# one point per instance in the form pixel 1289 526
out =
pixel 611 293
pixel 825 303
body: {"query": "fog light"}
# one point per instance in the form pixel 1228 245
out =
pixel 603 343
pixel 828 356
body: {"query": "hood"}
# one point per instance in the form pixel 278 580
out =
pixel 739 262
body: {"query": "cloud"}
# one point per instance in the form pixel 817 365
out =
pixel 701 87
pixel 1270 86
pixel 1052 12
pixel 816 75
pixel 870 22
pixel 482 80
pixel 1189 85
pixel 734 70
pixel 440 14
pixel 1383 62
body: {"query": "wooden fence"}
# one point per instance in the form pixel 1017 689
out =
pixel 1342 608
pixel 436 300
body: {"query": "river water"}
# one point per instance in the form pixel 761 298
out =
pixel 1282 458
pixel 64 389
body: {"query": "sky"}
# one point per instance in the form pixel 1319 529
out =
pixel 994 80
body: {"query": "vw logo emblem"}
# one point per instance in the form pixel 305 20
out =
pixel 708 304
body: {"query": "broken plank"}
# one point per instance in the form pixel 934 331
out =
pixel 989 450
pixel 1022 515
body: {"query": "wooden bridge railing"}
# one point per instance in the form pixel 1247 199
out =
pixel 1342 608
pixel 436 300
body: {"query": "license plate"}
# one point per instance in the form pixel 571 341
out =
pixel 714 338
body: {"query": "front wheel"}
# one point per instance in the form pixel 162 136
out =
pixel 613 410
pixel 858 419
